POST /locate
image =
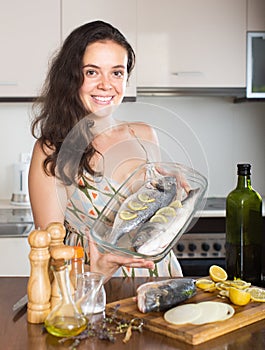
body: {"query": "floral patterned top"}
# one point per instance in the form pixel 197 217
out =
pixel 84 207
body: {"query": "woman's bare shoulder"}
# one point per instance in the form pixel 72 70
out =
pixel 144 131
pixel 41 150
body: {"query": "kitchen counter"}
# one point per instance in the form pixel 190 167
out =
pixel 16 333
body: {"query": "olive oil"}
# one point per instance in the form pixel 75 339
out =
pixel 244 230
pixel 66 326
pixel 64 320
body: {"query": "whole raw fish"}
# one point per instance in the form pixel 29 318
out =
pixel 146 201
pixel 164 295
pixel 153 237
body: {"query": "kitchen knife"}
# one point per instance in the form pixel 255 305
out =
pixel 21 302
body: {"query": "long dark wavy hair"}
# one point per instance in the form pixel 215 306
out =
pixel 59 107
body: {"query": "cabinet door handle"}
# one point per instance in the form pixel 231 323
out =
pixel 187 73
pixel 8 83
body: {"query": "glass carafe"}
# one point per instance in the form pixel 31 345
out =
pixel 64 320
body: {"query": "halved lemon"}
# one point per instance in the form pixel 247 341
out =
pixel 176 204
pixel 145 197
pixel 167 211
pixel 159 218
pixel 205 284
pixel 134 205
pixel 239 296
pixel 240 284
pixel 127 215
pixel 257 294
pixel 217 273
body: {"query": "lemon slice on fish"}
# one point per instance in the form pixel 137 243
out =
pixel 159 218
pixel 127 215
pixel 167 211
pixel 176 204
pixel 145 197
pixel 134 205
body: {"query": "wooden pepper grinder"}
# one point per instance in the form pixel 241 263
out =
pixel 39 287
pixel 58 253
pixel 57 232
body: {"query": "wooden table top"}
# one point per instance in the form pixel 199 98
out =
pixel 17 334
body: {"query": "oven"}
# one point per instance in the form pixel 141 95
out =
pixel 203 244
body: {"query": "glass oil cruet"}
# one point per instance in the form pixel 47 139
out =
pixel 64 320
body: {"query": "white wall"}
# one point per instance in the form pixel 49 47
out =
pixel 211 134
pixel 228 133
pixel 15 138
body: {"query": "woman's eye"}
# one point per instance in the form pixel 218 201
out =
pixel 118 73
pixel 90 73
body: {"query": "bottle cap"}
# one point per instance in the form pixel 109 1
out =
pixel 243 169
pixel 79 252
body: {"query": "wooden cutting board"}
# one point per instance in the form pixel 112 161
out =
pixel 188 333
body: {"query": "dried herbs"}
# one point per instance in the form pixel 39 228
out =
pixel 106 329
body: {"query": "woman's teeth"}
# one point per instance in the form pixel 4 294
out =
pixel 103 99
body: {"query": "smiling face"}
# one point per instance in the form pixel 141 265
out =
pixel 105 75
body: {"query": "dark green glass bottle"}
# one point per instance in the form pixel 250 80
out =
pixel 244 229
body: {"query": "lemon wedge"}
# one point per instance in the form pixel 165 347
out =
pixel 134 205
pixel 217 273
pixel 239 296
pixel 145 197
pixel 176 204
pixel 159 218
pixel 205 284
pixel 127 215
pixel 257 294
pixel 167 211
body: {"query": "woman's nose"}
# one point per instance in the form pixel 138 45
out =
pixel 105 83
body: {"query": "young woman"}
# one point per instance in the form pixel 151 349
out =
pixel 82 153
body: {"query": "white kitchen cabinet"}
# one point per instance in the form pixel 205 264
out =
pixel 29 34
pixel 256 15
pixel 120 13
pixel 14 260
pixel 191 43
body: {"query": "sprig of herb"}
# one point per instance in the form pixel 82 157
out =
pixel 106 329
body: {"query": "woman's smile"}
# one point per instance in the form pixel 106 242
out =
pixel 102 100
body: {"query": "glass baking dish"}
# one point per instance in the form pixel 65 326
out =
pixel 150 211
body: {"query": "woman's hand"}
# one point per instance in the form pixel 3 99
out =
pixel 108 264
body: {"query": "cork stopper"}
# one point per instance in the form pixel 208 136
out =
pixel 64 253
pixel 58 265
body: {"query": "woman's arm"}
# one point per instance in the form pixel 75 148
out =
pixel 48 202
pixel 47 196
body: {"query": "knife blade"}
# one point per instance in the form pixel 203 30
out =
pixel 21 302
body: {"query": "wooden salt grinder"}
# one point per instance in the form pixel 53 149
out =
pixel 39 287
pixel 57 253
